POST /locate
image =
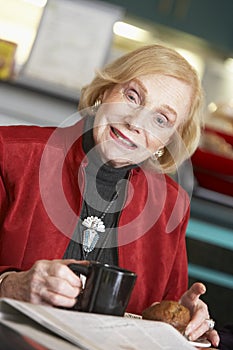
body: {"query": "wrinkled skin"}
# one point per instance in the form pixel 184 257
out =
pixel 47 282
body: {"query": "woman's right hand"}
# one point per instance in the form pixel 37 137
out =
pixel 47 282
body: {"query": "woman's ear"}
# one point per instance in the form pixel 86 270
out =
pixel 107 92
pixel 104 95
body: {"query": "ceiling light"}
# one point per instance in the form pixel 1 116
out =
pixel 212 107
pixel 38 3
pixel 130 32
pixel 229 64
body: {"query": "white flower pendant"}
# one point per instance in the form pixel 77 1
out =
pixel 91 235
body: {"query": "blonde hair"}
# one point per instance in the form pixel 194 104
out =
pixel 155 59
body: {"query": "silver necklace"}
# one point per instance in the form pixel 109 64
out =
pixel 95 225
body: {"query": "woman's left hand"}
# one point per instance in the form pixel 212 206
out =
pixel 199 323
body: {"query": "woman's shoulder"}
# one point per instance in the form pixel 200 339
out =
pixel 40 134
pixel 164 186
pixel 162 180
pixel 172 183
pixel 25 133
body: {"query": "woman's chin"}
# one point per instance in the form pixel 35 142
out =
pixel 119 163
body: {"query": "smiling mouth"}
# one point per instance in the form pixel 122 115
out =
pixel 125 141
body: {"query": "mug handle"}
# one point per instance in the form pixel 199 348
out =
pixel 79 269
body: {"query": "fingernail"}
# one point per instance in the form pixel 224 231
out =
pixel 191 337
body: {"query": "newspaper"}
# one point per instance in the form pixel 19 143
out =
pixel 50 326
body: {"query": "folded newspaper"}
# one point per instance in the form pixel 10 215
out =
pixel 68 330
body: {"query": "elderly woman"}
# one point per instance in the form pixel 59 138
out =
pixel 98 190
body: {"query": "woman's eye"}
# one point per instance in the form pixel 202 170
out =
pixel 132 96
pixel 161 120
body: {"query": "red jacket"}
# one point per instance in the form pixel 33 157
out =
pixel 41 176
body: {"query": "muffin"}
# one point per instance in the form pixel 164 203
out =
pixel 170 312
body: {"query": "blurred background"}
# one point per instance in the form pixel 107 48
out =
pixel 49 49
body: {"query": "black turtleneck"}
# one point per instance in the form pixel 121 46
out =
pixel 102 182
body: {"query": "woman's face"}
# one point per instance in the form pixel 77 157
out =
pixel 139 117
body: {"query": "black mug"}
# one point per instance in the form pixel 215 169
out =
pixel 107 288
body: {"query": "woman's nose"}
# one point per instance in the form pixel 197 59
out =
pixel 136 121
